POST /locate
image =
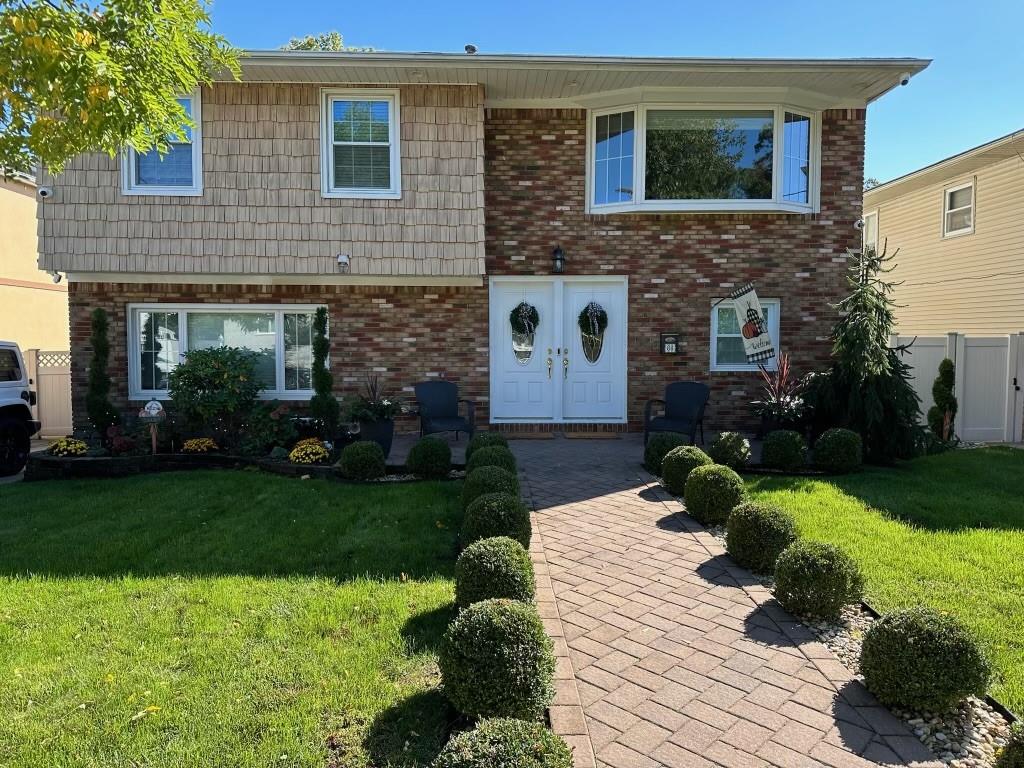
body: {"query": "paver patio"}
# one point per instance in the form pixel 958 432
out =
pixel 670 654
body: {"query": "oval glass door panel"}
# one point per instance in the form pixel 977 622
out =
pixel 522 346
pixel 593 321
pixel 524 320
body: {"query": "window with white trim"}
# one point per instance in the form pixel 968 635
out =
pixel 360 143
pixel 870 232
pixel 179 171
pixel 280 338
pixel 958 210
pixel 697 158
pixel 727 336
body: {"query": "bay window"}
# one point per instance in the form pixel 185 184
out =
pixel 688 158
pixel 280 338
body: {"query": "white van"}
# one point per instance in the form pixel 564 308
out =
pixel 16 398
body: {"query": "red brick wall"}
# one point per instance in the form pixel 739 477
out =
pixel 679 263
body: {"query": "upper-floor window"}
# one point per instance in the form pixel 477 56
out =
pixel 870 232
pixel 685 158
pixel 958 210
pixel 359 144
pixel 179 171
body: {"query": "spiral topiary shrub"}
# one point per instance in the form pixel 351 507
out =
pixel 496 514
pixel 730 449
pixel 430 458
pixel 677 465
pixel 784 449
pixel 922 660
pixel 496 660
pixel 756 534
pixel 492 456
pixel 363 460
pixel 659 444
pixel 1012 755
pixel 484 440
pixel 712 492
pixel 816 579
pixel 488 480
pixel 839 450
pixel 498 567
pixel 502 742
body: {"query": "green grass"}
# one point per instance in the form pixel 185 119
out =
pixel 223 619
pixel 945 531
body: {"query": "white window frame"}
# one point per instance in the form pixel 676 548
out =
pixel 135 390
pixel 640 205
pixel 327 97
pixel 864 238
pixel 947 193
pixel 773 331
pixel 129 185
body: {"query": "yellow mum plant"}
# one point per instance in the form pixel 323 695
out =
pixel 309 451
pixel 199 445
pixel 68 446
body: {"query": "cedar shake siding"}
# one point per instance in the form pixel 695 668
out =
pixel 262 212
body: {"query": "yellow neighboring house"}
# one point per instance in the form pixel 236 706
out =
pixel 33 309
pixel 959 227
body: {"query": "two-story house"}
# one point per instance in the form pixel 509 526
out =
pixel 465 216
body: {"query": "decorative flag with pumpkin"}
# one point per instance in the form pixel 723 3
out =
pixel 757 343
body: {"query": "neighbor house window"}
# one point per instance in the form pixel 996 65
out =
pixel 871 232
pixel 280 338
pixel 727 336
pixel 359 138
pixel 683 158
pixel 178 171
pixel 958 212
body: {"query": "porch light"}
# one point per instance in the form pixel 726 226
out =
pixel 558 260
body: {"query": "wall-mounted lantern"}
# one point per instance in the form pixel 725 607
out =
pixel 557 260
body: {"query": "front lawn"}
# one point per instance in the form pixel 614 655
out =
pixel 947 531
pixel 223 619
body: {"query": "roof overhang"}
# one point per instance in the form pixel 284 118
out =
pixel 526 80
pixel 1003 148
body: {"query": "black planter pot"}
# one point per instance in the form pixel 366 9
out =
pixel 380 432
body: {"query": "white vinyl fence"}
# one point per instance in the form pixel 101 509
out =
pixel 989 381
pixel 51 379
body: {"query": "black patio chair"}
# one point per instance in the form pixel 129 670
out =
pixel 439 409
pixel 683 410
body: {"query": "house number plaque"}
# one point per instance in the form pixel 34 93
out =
pixel 670 343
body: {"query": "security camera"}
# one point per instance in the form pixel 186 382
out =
pixel 858 224
pixel 904 78
pixel 57 277
pixel 344 261
pixel 44 193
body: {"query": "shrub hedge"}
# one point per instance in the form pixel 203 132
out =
pixel 658 444
pixel 483 440
pixel 488 480
pixel 502 742
pixel 712 492
pixel 756 534
pixel 496 660
pixel 363 460
pixel 922 660
pixel 492 456
pixel 839 450
pixel 816 579
pixel 784 449
pixel 498 567
pixel 730 449
pixel 430 458
pixel 496 514
pixel 677 465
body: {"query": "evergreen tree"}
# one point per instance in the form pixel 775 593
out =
pixel 323 406
pixel 867 387
pixel 940 415
pixel 101 413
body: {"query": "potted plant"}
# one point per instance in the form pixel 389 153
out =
pixel 375 414
pixel 782 406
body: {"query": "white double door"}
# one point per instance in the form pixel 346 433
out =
pixel 558 373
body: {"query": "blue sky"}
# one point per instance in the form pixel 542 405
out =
pixel 973 92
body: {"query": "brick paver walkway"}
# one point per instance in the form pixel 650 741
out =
pixel 671 655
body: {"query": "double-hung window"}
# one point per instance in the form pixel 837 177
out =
pixel 359 141
pixel 279 337
pixel 958 210
pixel 179 171
pixel 727 336
pixel 688 158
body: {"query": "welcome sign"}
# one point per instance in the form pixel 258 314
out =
pixel 757 343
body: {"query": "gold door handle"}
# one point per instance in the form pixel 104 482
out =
pixel 565 367
pixel 550 364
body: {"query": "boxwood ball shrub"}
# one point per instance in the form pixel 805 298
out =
pixel 712 492
pixel 731 449
pixel 492 456
pixel 496 514
pixel 1012 755
pixel 498 567
pixel 756 534
pixel 504 742
pixel 839 450
pixel 497 661
pixel 784 449
pixel 488 480
pixel 677 465
pixel 483 440
pixel 430 458
pixel 658 445
pixel 922 660
pixel 816 579
pixel 363 460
